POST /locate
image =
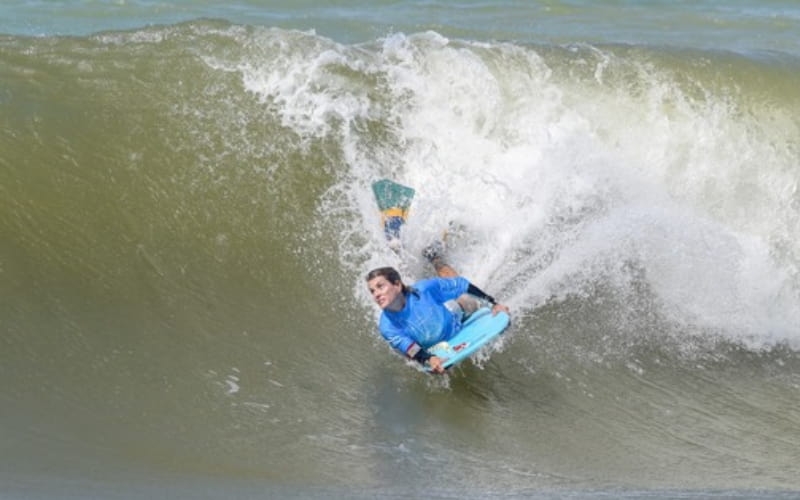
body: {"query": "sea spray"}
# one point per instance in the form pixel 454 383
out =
pixel 565 165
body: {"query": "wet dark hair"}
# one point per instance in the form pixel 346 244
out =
pixel 391 275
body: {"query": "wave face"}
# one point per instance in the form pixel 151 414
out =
pixel 186 220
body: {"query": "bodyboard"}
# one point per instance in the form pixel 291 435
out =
pixel 480 328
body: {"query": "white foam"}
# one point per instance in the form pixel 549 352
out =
pixel 565 168
pixel 233 384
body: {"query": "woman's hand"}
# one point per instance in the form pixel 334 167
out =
pixel 500 307
pixel 435 364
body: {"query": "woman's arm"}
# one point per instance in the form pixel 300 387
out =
pixel 477 292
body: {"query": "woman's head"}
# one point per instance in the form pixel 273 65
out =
pixel 390 273
pixel 387 288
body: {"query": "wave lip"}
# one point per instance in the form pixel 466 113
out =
pixel 705 25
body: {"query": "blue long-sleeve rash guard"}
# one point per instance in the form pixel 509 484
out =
pixel 424 320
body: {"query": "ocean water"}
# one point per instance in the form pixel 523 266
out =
pixel 186 221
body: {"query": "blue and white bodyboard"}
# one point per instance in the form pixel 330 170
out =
pixel 480 328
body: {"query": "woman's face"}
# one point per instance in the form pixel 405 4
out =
pixel 386 295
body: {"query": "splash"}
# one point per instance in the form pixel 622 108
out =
pixel 564 169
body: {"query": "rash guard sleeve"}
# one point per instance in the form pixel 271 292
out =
pixel 396 337
pixel 444 289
